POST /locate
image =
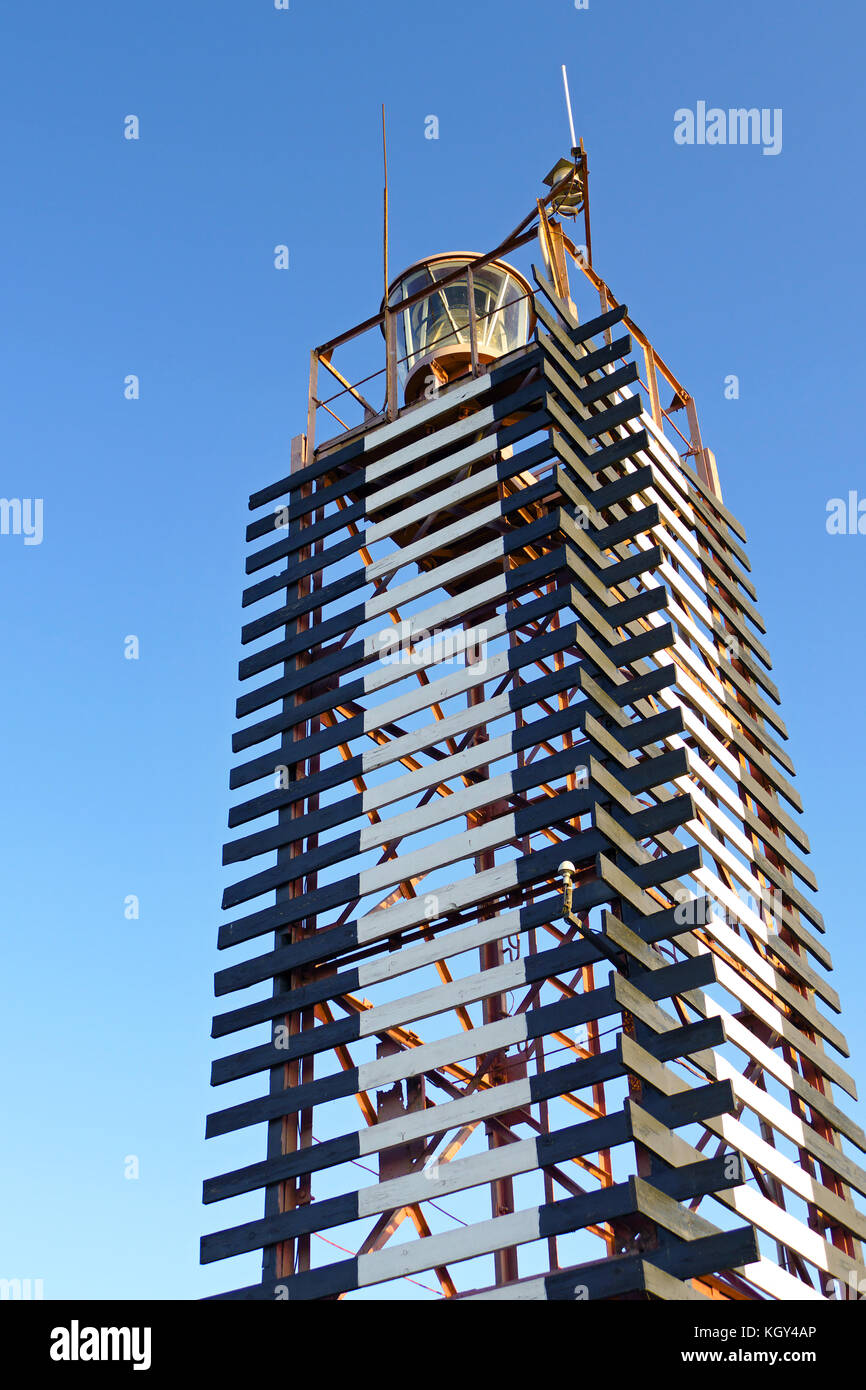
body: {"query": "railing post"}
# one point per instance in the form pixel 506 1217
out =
pixel 605 305
pixel 705 459
pixel 392 405
pixel 311 405
pixel 652 384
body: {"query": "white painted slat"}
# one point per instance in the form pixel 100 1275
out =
pixel 454 608
pixel 741 948
pixel 731 940
pixel 778 1283
pixel 706 778
pixel 734 906
pixel 437 812
pixel 440 577
pixel 705 737
pixel 691 664
pixel 441 770
pixel 432 540
pixel 392 671
pixel 456 1176
pixel 412 1008
pixel 712 656
pixel 742 1037
pixel 464 1243
pixel 734 983
pixel 490 1037
pixel 450 897
pixel 468 843
pixel 688 596
pixel 421 697
pixel 434 473
pixel 425 414
pixel 443 947
pixel 448 497
pixel 527 1291
pixel 795 1178
pixel 780 1225
pixel 436 732
pixel 744 1140
pixel 453 1114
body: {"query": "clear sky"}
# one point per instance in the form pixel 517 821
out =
pixel 155 257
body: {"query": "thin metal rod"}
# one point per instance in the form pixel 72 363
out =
pixel 568 107
pixel 390 327
pixel 385 229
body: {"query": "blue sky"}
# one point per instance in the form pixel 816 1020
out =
pixel 155 257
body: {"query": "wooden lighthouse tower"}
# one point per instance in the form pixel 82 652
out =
pixel 525 982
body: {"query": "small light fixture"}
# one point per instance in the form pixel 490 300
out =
pixel 570 201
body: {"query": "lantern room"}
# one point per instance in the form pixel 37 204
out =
pixel 456 317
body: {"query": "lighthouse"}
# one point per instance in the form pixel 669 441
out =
pixel 527 994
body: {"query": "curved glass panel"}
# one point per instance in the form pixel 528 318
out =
pixel 441 319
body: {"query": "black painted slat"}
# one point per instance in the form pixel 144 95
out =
pixel 603 356
pixel 611 381
pixel 352 545
pixel 533 868
pixel 551 1017
pixel 371 445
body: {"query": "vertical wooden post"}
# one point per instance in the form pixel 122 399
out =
pixel 605 305
pixel 310 445
pixel 705 459
pixel 652 383
pixel 295 1131
pixel 392 406
pixel 493 1008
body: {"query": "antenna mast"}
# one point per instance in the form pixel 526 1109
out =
pixel 568 108
pixel 385 234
